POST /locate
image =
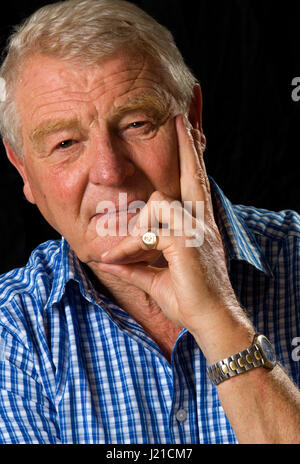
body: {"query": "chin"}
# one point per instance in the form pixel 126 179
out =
pixel 94 248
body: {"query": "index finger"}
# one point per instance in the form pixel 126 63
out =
pixel 193 179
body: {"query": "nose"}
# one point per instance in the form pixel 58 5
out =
pixel 110 163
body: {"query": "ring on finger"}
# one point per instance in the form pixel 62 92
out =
pixel 150 239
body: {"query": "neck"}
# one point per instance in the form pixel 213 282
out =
pixel 138 304
pixel 122 293
pixel 115 288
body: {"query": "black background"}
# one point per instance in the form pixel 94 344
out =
pixel 245 54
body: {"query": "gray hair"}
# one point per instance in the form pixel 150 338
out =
pixel 86 31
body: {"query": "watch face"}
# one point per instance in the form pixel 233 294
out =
pixel 268 351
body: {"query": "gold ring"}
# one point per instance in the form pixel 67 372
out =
pixel 150 239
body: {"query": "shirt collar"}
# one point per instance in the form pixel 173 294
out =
pixel 239 241
pixel 68 268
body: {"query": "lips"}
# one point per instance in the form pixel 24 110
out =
pixel 128 209
pixel 108 208
pixel 116 220
pixel 114 213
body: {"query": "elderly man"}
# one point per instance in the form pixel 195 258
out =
pixel 146 324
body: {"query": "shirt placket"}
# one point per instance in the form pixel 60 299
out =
pixel 183 414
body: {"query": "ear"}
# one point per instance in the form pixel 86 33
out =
pixel 18 163
pixel 195 113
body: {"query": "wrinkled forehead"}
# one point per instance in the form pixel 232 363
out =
pixel 40 71
pixel 46 81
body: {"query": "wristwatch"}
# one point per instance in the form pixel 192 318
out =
pixel 260 353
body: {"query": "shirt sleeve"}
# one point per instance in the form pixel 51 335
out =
pixel 27 416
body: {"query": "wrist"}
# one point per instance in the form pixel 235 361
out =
pixel 259 354
pixel 226 332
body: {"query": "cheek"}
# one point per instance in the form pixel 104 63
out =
pixel 57 185
pixel 68 185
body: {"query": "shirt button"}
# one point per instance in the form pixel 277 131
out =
pixel 181 415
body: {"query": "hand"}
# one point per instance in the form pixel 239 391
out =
pixel 194 291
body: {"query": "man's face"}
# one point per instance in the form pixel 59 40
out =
pixel 91 133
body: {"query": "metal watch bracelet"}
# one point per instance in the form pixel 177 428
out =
pixel 235 364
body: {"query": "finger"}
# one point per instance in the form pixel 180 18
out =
pixel 130 250
pixel 181 229
pixel 193 178
pixel 175 220
pixel 161 211
pixel 150 279
pixel 200 150
pixel 133 249
pixel 140 275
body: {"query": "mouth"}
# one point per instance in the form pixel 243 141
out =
pixel 108 209
pixel 116 219
pixel 117 214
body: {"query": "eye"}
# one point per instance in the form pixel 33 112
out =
pixel 66 144
pixel 140 128
pixel 138 124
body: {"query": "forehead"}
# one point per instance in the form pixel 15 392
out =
pixel 49 84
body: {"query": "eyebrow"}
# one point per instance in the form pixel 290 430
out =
pixel 51 126
pixel 152 104
pixel 157 108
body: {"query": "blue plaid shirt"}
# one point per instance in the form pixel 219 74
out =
pixel 76 368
